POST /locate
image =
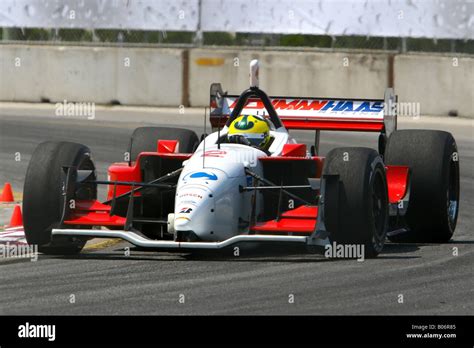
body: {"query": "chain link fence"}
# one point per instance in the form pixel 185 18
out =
pixel 196 39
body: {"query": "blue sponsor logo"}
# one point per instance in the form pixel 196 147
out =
pixel 249 181
pixel 348 106
pixel 201 175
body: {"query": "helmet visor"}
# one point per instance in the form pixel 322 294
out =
pixel 255 139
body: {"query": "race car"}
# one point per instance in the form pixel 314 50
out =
pixel 177 192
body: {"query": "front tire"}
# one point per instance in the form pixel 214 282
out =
pixel 42 194
pixel 359 212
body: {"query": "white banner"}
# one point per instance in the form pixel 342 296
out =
pixel 392 18
pixel 182 15
pixel 442 19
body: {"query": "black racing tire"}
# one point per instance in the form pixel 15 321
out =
pixel 144 139
pixel 357 212
pixel 42 199
pixel 433 159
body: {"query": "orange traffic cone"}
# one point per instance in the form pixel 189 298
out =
pixel 7 193
pixel 17 219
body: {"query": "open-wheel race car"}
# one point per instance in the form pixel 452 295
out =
pixel 180 193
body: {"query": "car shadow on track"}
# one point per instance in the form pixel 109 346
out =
pixel 260 254
pixel 390 249
pixel 201 257
pixel 274 253
pixel 400 248
pixel 461 242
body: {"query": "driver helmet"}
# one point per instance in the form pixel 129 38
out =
pixel 253 128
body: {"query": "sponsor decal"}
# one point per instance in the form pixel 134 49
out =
pixel 214 153
pixel 314 104
pixel 201 175
pixel 308 108
pixel 188 202
pixel 190 194
pixel 185 210
pixel 244 123
pixel 249 180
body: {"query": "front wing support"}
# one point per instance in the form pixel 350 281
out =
pixel 140 241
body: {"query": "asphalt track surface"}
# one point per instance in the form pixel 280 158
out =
pixel 260 281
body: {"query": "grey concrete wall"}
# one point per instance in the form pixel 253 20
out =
pixel 439 83
pixel 98 74
pixel 162 77
pixel 290 73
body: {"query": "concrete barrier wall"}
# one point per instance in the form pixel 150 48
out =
pixel 439 83
pixel 347 75
pixel 134 76
pixel 168 77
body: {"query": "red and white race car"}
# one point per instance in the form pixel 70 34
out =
pixel 179 193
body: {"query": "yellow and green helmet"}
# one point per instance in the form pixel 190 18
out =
pixel 254 128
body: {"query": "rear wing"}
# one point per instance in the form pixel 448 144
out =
pixel 366 115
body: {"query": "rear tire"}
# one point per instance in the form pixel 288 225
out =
pixel 42 199
pixel 145 139
pixel 434 197
pixel 359 213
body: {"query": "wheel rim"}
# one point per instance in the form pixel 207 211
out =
pixel 87 191
pixel 84 192
pixel 452 194
pixel 379 208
